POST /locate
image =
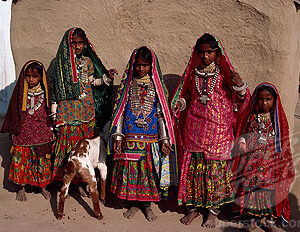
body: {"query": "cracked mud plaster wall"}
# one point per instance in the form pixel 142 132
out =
pixel 260 37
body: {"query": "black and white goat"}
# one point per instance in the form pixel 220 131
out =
pixel 84 157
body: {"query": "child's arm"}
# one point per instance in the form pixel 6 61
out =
pixel 184 97
pixel 118 137
pixel 166 147
pixel 106 79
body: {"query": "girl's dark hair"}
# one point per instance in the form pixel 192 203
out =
pixel 269 89
pixel 207 39
pixel 144 53
pixel 35 66
pixel 80 33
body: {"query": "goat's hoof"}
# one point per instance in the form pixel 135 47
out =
pixel 99 216
pixel 102 201
pixel 59 216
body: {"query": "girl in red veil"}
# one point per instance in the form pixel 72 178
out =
pixel 206 104
pixel 264 169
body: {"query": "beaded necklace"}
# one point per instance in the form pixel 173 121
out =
pixel 82 72
pixel 138 108
pixel 211 71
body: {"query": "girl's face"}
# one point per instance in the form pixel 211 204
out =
pixel 265 101
pixel 142 67
pixel 77 44
pixel 32 77
pixel 207 55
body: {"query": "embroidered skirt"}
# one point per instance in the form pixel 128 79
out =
pixel 27 168
pixel 135 180
pixel 68 136
pixel 205 183
pixel 259 202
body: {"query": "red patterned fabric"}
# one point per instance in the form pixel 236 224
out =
pixel 284 171
pixel 34 129
pixel 209 128
pixel 28 168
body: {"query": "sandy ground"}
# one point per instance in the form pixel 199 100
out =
pixel 38 214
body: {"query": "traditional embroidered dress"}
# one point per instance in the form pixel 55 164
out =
pixel 26 120
pixel 205 130
pixel 265 173
pixel 81 107
pixel 141 171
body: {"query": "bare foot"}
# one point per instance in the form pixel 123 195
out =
pixel 211 221
pixel 251 226
pixel 46 194
pixel 21 195
pixel 149 214
pixel 130 212
pixel 82 192
pixel 270 227
pixel 186 220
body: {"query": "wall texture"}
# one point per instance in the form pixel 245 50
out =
pixel 260 37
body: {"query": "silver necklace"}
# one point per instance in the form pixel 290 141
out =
pixel 33 107
pixel 263 136
pixel 204 93
pixel 135 102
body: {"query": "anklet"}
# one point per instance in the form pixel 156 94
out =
pixel 214 211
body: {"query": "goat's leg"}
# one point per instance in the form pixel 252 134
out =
pixel 102 190
pixel 88 175
pixel 69 175
pixel 103 174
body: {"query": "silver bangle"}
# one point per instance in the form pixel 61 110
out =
pixel 241 88
pixel 164 139
pixel 183 104
pixel 118 136
pixel 106 79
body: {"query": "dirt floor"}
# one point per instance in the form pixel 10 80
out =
pixel 38 214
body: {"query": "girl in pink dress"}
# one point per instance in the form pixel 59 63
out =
pixel 208 99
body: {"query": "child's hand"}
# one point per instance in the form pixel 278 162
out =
pixel 236 79
pixel 111 73
pixel 166 148
pixel 242 148
pixel 117 145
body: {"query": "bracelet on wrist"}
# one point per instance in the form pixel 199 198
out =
pixel 241 88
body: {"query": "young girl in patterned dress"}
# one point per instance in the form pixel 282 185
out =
pixel 27 121
pixel 207 102
pixel 81 92
pixel 142 134
pixel 265 171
